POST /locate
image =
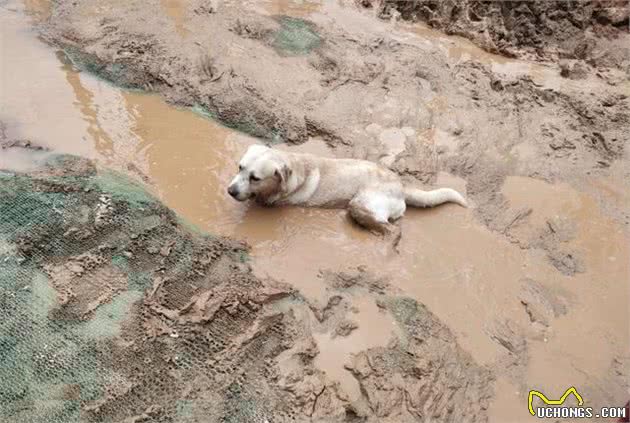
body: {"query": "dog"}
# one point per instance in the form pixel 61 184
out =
pixel 374 196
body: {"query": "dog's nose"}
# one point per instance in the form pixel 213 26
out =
pixel 232 191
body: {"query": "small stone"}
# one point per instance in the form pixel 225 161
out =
pixel 152 250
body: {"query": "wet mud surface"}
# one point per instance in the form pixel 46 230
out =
pixel 590 31
pixel 130 316
pixel 316 320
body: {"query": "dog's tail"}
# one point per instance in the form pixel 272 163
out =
pixel 418 198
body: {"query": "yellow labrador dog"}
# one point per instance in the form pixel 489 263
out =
pixel 374 195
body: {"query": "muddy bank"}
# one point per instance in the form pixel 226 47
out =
pixel 591 31
pixel 118 311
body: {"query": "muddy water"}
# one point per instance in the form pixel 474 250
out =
pixel 601 292
pixel 468 276
pixel 334 351
pixel 583 344
pixel 36 102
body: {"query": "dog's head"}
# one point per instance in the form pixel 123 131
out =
pixel 262 174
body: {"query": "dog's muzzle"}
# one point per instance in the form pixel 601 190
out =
pixel 233 191
pixel 237 193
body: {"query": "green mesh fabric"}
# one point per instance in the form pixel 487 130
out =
pixel 295 37
pixel 115 73
pixel 112 310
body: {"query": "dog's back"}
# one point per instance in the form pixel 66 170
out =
pixel 333 182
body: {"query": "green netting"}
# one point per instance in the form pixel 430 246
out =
pixel 49 364
pixel 115 73
pixel 41 359
pixel 203 111
pixel 295 37
pixel 246 123
pixel 97 279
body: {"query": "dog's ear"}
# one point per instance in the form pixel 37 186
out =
pixel 283 172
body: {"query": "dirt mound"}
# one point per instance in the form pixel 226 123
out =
pixel 115 310
pixel 547 29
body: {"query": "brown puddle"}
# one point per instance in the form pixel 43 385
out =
pixel 471 278
pixel 37 102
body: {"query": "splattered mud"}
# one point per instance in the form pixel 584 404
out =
pixel 528 289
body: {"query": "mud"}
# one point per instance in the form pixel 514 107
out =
pixel 591 31
pixel 481 109
pixel 141 316
pixel 538 147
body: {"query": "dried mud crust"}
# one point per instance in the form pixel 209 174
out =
pixel 582 29
pixel 115 310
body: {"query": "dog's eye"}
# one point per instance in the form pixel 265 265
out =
pixel 254 178
pixel 240 167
